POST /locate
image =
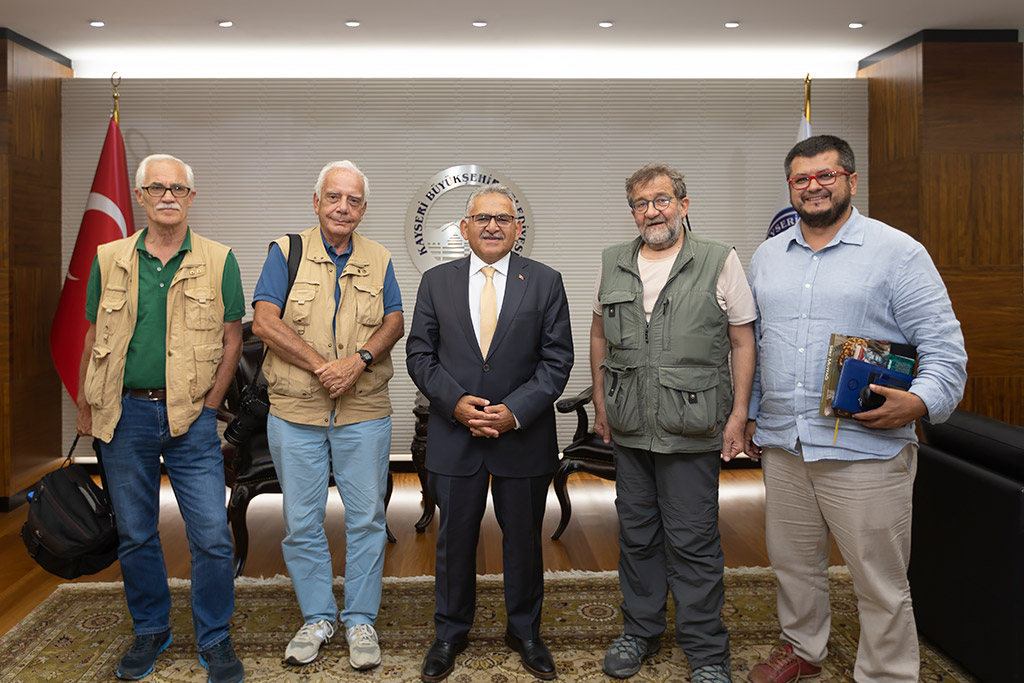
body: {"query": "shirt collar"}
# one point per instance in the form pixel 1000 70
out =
pixel 186 245
pixel 852 232
pixel 501 265
pixel 331 250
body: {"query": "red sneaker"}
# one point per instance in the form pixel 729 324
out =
pixel 782 666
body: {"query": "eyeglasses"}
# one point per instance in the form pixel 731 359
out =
pixel 354 200
pixel 660 203
pixel 825 178
pixel 482 220
pixel 156 190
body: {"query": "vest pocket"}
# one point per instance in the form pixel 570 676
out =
pixel 300 303
pixel 96 376
pixel 112 308
pixel 688 400
pixel 622 328
pixel 199 308
pixel 207 358
pixel 369 309
pixel 621 397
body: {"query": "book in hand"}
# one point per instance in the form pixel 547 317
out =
pixel 853 363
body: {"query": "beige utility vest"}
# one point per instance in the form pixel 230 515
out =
pixel 296 394
pixel 195 332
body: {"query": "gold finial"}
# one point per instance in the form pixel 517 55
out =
pixel 115 80
pixel 807 97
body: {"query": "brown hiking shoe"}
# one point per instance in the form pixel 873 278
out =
pixel 782 666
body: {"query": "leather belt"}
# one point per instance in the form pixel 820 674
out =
pixel 148 394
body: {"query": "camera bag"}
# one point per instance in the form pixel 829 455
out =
pixel 70 528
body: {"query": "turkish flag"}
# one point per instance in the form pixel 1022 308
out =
pixel 108 216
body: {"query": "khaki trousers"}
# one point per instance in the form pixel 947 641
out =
pixel 866 505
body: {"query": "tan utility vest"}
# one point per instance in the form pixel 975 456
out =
pixel 667 383
pixel 296 394
pixel 195 332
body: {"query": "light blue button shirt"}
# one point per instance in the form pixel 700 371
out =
pixel 870 281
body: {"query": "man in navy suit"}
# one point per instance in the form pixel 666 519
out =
pixel 491 349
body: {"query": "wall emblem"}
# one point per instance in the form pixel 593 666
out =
pixel 432 222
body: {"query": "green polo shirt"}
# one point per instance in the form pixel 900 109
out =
pixel 144 365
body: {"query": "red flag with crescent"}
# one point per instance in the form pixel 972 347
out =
pixel 108 216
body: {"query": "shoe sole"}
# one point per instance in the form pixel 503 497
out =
pixel 163 647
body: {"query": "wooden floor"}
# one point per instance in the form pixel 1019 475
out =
pixel 589 543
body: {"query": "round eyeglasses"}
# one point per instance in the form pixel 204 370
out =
pixel 825 178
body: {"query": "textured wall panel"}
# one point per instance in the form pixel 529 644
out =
pixel 257 145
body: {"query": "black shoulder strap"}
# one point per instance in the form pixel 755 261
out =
pixel 294 258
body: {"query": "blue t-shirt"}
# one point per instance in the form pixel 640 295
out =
pixel 273 282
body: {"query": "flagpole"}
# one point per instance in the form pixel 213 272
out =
pixel 807 97
pixel 115 80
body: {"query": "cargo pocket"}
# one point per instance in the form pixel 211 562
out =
pixel 621 397
pixel 96 376
pixel 199 308
pixel 688 400
pixel 300 303
pixel 623 329
pixel 207 359
pixel 112 305
pixel 369 310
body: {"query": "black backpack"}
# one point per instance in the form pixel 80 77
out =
pixel 70 529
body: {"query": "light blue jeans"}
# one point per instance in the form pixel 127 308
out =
pixel 195 468
pixel 304 456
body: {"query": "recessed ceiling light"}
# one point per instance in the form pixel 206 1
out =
pixel 352 23
pixel 97 24
pixel 479 23
pixel 732 24
pixel 225 24
pixel 606 24
pixel 856 24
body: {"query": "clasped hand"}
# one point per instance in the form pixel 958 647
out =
pixel 482 418
pixel 339 376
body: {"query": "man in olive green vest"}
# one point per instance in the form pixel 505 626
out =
pixel 165 334
pixel 327 370
pixel 669 307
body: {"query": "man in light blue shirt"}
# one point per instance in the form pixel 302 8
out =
pixel 837 271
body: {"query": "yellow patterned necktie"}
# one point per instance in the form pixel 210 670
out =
pixel 488 310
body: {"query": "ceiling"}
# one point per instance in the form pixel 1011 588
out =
pixel 523 38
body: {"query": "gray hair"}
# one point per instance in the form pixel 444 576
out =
pixel 346 165
pixel 820 144
pixel 649 173
pixel 140 174
pixel 489 189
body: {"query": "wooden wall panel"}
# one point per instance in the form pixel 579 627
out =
pixel 971 97
pixel 30 261
pixel 962 193
pixel 971 207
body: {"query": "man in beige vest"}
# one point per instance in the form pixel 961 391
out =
pixel 669 309
pixel 165 335
pixel 327 369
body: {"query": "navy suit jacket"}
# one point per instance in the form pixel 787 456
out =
pixel 526 367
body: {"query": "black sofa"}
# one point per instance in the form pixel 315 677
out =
pixel 967 551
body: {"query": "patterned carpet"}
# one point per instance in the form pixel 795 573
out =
pixel 80 632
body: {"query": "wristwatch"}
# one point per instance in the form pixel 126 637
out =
pixel 366 357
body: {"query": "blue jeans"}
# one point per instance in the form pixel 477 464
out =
pixel 304 456
pixel 195 468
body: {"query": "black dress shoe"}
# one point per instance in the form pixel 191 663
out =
pixel 536 656
pixel 440 659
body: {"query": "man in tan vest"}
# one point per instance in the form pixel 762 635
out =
pixel 327 369
pixel 165 335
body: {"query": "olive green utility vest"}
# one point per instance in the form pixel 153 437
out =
pixel 296 394
pixel 195 332
pixel 667 383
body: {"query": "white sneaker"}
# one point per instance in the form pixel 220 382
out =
pixel 305 646
pixel 363 650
